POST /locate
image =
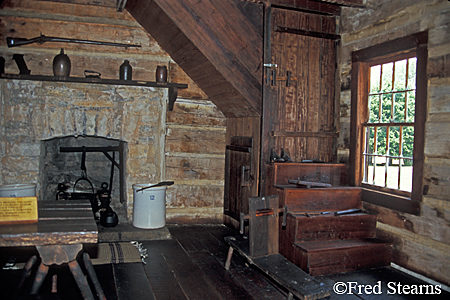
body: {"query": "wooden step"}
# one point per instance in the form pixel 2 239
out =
pixel 319 199
pixel 331 227
pixel 281 173
pixel 329 257
pixel 300 228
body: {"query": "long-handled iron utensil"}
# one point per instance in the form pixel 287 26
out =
pixel 162 183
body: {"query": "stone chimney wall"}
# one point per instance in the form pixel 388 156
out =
pixel 34 111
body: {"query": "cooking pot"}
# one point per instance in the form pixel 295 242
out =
pixel 109 218
pixel 92 197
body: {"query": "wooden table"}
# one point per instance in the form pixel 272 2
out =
pixel 62 229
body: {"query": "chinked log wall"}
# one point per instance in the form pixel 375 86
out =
pixel 191 122
pixel 422 242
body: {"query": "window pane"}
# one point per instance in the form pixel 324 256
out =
pixel 375 72
pixel 408 142
pixel 406 176
pixel 370 140
pixel 381 141
pixel 392 177
pixel 412 62
pixel 380 163
pixel 386 108
pixel 411 103
pixel 368 159
pixel 394 141
pixel 399 107
pixel 368 176
pixel 400 75
pixel 387 77
pixel 374 107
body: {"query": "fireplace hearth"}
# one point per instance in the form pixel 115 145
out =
pixel 83 167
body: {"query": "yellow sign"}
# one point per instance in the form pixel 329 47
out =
pixel 18 209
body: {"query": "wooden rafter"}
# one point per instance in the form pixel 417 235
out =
pixel 356 3
pixel 105 3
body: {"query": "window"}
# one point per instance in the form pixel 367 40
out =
pixel 389 92
pixel 389 130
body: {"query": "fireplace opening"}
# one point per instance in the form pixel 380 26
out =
pixel 84 165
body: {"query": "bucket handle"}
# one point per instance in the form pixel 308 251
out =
pixel 84 178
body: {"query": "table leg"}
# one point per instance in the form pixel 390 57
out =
pixel 39 279
pixel 59 254
pixel 91 272
pixel 81 280
pixel 26 272
pixel 228 262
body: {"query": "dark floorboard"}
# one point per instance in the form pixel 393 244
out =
pixel 133 283
pixel 191 266
pixel 188 275
pixel 161 278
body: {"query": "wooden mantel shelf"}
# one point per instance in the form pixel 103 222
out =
pixel 173 87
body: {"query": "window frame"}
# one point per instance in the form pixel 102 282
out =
pixel 361 62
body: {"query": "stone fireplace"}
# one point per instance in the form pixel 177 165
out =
pixel 35 114
pixel 84 164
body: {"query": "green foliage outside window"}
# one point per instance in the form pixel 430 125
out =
pixel 392 100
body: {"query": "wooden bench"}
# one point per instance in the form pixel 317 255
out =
pixel 261 250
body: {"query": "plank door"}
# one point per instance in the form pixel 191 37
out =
pixel 238 176
pixel 299 90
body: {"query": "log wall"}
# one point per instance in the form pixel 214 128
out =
pixel 195 157
pixel 421 243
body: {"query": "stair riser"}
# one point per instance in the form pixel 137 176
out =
pixel 326 199
pixel 344 260
pixel 324 228
pixel 335 227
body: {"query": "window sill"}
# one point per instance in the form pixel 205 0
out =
pixel 391 201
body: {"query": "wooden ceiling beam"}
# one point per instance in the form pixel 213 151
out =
pixel 104 3
pixel 351 3
pixel 215 42
pixel 319 6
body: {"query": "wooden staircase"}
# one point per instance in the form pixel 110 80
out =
pixel 320 242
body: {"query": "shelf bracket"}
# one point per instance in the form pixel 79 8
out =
pixel 173 93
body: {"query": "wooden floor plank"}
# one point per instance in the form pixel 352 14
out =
pixel 203 237
pixel 189 276
pixel 162 280
pixel 293 278
pixel 189 239
pixel 222 280
pixel 211 238
pixel 107 281
pixel 131 282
